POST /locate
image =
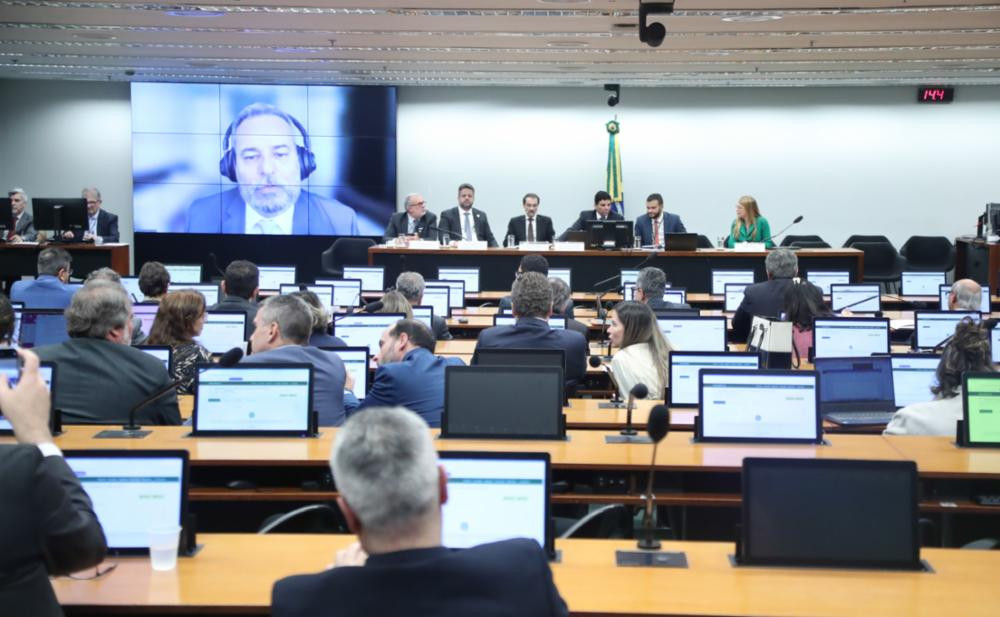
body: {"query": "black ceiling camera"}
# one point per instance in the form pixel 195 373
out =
pixel 653 34
pixel 616 94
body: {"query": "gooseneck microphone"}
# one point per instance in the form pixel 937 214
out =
pixel 638 391
pixel 616 400
pixel 454 234
pixel 797 220
pixel 656 427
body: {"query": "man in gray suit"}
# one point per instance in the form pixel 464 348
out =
pixel 411 285
pixel 23 227
pixel 99 377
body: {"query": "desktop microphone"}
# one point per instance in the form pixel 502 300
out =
pixel 639 391
pixel 616 400
pixel 372 307
pixel 454 234
pixel 657 427
pixel 214 262
pixel 797 220
pixel 133 430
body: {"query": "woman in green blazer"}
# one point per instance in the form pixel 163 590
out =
pixel 749 225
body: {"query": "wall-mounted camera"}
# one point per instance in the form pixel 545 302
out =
pixel 616 94
pixel 653 34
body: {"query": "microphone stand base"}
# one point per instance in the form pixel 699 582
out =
pixel 122 434
pixel 651 559
pixel 612 405
pixel 627 439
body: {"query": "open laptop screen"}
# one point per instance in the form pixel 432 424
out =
pixel 469 276
pixel 456 295
pixel 503 402
pixel 856 298
pixel 131 285
pixel 758 406
pixel 223 331
pixel 734 296
pixel 694 333
pixel 984 304
pixel 824 278
pixel 921 283
pixel 160 352
pixel 364 329
pixel 721 277
pixel 629 276
pixel 495 496
pixel 133 491
pixel 850 337
pixel 425 315
pixel 564 274
pixel 932 327
pixel 436 296
pixel 686 365
pixel 913 375
pixel 41 327
pixel 209 290
pixel 183 273
pixel 146 312
pixel 372 277
pixel 844 381
pixel 253 399
pixel 356 363
pixel 271 278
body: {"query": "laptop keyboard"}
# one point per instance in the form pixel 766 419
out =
pixel 863 417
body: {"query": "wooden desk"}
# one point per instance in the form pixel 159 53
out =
pixel 234 573
pixel 17 260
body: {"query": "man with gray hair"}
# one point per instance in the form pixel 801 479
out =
pixel 107 274
pixel 649 288
pixel 415 222
pixel 22 227
pixel 391 492
pixel 966 295
pixel 51 290
pixel 282 327
pixel 531 300
pixel 411 285
pixel 766 299
pixel 102 226
pixel 562 305
pixel 99 376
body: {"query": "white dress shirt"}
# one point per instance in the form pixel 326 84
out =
pixel 275 225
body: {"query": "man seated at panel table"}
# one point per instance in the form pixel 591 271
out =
pixel 649 288
pixel 415 222
pixel 463 222
pixel 281 333
pixel 391 492
pixel 51 290
pixel 409 374
pixel 411 285
pixel 530 227
pixel 601 212
pixel 529 263
pixel 102 226
pixel 766 299
pixel 239 291
pixel 532 304
pixel 100 376
pixel 22 228
pixel 651 228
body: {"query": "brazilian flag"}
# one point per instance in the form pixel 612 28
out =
pixel 615 168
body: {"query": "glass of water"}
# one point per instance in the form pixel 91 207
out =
pixel 163 542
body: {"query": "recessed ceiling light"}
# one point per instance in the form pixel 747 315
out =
pixel 564 1
pixel 743 19
pixel 567 44
pixel 708 52
pixel 572 67
pixel 97 36
pixel 194 12
pixel 624 26
pixel 294 50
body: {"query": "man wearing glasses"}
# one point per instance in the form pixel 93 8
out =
pixel 415 222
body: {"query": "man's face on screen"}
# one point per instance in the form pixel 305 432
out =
pixel 267 164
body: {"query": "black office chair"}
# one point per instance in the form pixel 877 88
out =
pixel 704 242
pixel 789 240
pixel 344 252
pixel 928 254
pixel 882 263
pixel 314 518
pixel 858 238
pixel 807 244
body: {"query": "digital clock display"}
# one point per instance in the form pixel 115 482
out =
pixel 935 94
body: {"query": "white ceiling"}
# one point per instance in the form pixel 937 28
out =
pixel 504 42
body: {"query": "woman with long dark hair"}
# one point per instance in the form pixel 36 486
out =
pixel 643 353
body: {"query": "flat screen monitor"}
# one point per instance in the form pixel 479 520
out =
pixel 133 491
pixel 131 285
pixel 346 293
pixel 556 322
pixel 856 298
pixel 41 327
pixel 921 283
pixel 18 307
pixel 852 337
pixel 824 278
pixel 6 216
pixel 608 234
pixel 146 312
pixel 855 384
pixel 425 315
pixel 271 278
pixel 677 295
pixel 437 296
pixel 563 274
pixel 694 333
pixel 10 366
pixel 913 376
pixel 222 331
pixel 629 276
pixel 209 290
pixel 162 353
pixel 762 405
pixel 253 399
pixel 364 329
pixel 495 496
pixel 931 328
pixel 503 402
pixel 944 291
pixel 830 513
pixel 721 277
pixel 469 276
pixel 981 409
pixel 183 273
pixel 61 214
pixel 325 293
pixel 734 296
pixel 356 362
pixel 456 297
pixel 372 277
pixel 685 366
pixel 995 345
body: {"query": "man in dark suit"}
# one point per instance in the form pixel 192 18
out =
pixel 649 288
pixel 100 376
pixel 415 222
pixel 529 263
pixel 532 227
pixel 409 374
pixel 464 222
pixel 411 285
pixel 652 226
pixel 601 212
pixel 101 226
pixel 562 305
pixel 531 300
pixel 391 492
pixel 47 522
pixel 22 228
pixel 239 291
pixel 51 289
pixel 766 299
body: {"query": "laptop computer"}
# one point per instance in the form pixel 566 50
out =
pixel 163 353
pixel 839 337
pixel 856 391
pixel 183 273
pixel 921 283
pixel 680 242
pixel 222 331
pixel 209 290
pixel 425 315
pixel 372 277
pixel 685 366
pixel 856 298
pixel 271 278
pixel 254 400
pixel 913 375
pixel 356 363
pixel 980 406
pixel 694 333
pixel 824 278
pixel 41 327
pixel 146 312
pixel 469 276
pixel 934 328
pixel 437 296
pixel 721 277
pixel 364 329
pixel 734 296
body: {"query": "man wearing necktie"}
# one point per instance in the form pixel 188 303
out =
pixel 22 227
pixel 532 227
pixel 415 221
pixel 465 222
pixel 102 226
pixel 602 212
pixel 653 226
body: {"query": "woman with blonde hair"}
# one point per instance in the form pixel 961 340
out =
pixel 643 353
pixel 179 319
pixel 749 225
pixel 395 302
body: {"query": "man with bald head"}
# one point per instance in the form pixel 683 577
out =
pixel 966 295
pixel 415 221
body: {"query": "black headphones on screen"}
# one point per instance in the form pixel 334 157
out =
pixel 307 160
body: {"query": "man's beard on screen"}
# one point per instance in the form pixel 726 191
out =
pixel 274 201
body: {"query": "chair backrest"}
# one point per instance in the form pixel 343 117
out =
pixel 345 252
pixel 809 244
pixel 704 242
pixel 880 257
pixel 792 239
pixel 851 241
pixel 930 252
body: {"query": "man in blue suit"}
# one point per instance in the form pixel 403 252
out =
pixel 652 226
pixel 408 375
pixel 531 298
pixel 50 290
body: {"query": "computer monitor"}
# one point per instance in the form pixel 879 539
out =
pixel 734 296
pixel 842 337
pixel 694 333
pixel 18 307
pixel 346 293
pixel 271 278
pixel 721 277
pixel 944 292
pixel 146 312
pixel 133 491
pixel 325 293
pixel 824 278
pixel 496 496
pixel 629 276
pixel 59 214
pixel 855 384
pixel 10 366
pixel 913 376
pixel 183 273
pixel 222 331
pixel 41 327
pixel 608 235
pixel 993 217
pixel 503 402
pixel 131 285
pixel 209 290
pixel 469 276
pixel 921 283
pixel 437 297
pixel 981 409
pixel 563 274
pixel 685 366
pixel 456 295
pixel 830 513
pixel 356 362
pixel 677 295
pixel 761 406
pixel 556 322
pixel 6 216
pixel 253 399
pixel 856 298
pixel 995 345
pixel 163 353
pixel 931 328
pixel 519 357
pixel 425 315
pixel 364 329
pixel 372 277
